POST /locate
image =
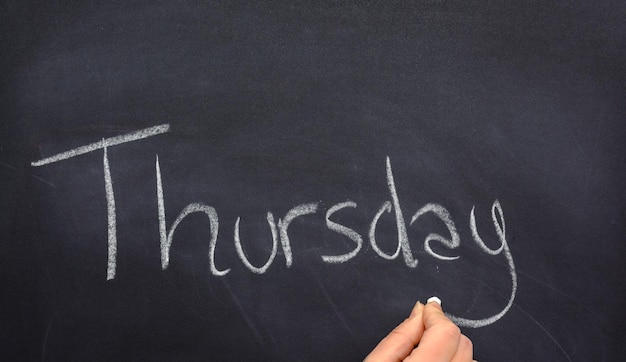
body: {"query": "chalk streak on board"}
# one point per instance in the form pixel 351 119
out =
pixel 242 254
pixel 333 305
pixel 385 207
pixel 211 214
pixel 516 305
pixel 343 230
pixel 17 169
pixel 166 238
pixel 443 214
pixel 106 142
pixel 283 225
pixel 545 331
pixel 244 315
pixel 108 181
pixel 111 219
pixel 161 214
pixel 501 231
pixel 44 346
pixel 590 313
pixel 403 237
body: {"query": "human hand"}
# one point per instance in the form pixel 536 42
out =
pixel 426 335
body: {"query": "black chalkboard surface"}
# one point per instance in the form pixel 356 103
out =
pixel 232 181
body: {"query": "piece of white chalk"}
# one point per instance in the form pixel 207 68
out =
pixel 434 299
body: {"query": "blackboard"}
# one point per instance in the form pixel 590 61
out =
pixel 256 181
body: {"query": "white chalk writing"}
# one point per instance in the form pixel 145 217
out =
pixel 279 229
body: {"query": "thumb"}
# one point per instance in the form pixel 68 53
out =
pixel 441 336
pixel 402 340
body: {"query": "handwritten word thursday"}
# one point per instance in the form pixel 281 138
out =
pixel 279 229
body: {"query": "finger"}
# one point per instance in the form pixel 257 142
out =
pixel 402 340
pixel 465 351
pixel 440 339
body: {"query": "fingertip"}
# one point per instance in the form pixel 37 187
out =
pixel 417 309
pixel 401 341
pixel 433 313
pixel 441 336
pixel 434 302
pixel 434 299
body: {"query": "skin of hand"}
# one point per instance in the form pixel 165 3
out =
pixel 426 335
